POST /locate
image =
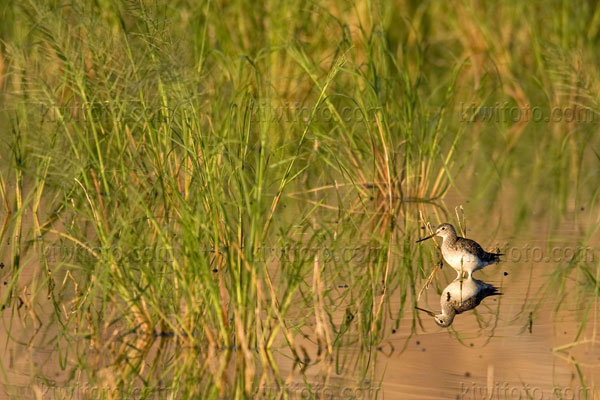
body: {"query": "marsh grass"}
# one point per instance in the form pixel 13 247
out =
pixel 165 147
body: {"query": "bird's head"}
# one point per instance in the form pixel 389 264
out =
pixel 443 319
pixel 443 231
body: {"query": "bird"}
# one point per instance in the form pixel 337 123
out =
pixel 464 255
pixel 460 296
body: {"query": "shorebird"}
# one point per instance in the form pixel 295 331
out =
pixel 460 296
pixel 464 255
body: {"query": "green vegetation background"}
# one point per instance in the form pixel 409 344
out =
pixel 158 157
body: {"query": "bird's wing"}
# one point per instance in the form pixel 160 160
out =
pixel 474 248
pixel 471 246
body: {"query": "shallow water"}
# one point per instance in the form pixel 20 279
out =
pixel 533 341
pixel 530 342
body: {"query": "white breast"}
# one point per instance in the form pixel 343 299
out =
pixel 455 259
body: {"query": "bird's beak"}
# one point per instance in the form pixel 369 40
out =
pixel 425 238
pixel 431 313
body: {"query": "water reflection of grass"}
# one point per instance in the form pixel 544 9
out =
pixel 227 127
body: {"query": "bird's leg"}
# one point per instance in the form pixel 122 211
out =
pixel 461 278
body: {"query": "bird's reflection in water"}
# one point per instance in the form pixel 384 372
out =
pixel 460 296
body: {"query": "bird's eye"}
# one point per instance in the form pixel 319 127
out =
pixel 444 228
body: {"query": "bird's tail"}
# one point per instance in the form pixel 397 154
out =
pixel 496 255
pixel 493 257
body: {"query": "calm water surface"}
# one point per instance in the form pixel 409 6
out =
pixel 536 340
